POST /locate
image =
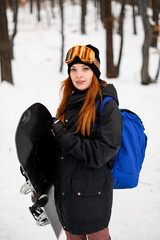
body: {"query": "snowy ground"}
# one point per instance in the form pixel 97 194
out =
pixel 136 212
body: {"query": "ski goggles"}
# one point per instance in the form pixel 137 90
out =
pixel 86 54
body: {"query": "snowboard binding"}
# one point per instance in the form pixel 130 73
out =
pixel 37 211
pixel 26 188
pixel 39 202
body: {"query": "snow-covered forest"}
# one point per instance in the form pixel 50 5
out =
pixel 37 54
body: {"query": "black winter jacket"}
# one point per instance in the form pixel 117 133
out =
pixel 84 183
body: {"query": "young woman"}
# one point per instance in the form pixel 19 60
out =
pixel 84 182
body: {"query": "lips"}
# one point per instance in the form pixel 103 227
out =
pixel 80 82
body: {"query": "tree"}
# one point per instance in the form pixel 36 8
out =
pixel 31 6
pixel 83 15
pixel 107 19
pixel 15 16
pixel 38 10
pixel 133 2
pixel 52 7
pixel 145 78
pixel 62 32
pixel 156 26
pixel 5 48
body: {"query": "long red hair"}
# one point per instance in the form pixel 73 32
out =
pixel 87 114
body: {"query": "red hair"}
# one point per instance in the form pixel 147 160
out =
pixel 87 114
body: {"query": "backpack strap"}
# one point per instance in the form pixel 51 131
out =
pixel 99 108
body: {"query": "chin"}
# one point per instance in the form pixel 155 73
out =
pixel 81 89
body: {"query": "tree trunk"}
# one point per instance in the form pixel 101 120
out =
pixel 155 19
pixel 83 15
pixel 45 6
pixel 111 70
pixel 107 19
pixel 15 13
pixel 5 49
pixel 38 11
pixel 10 3
pixel 121 34
pixel 134 17
pixel 31 6
pixel 121 17
pixel 62 33
pixel 102 10
pixel 52 8
pixel 147 42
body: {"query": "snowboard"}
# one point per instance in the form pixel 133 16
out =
pixel 36 150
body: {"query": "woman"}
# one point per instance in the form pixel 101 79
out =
pixel 84 182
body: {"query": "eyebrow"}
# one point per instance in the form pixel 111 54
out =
pixel 84 65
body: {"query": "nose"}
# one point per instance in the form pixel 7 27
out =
pixel 79 73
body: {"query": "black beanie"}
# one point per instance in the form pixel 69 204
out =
pixel 94 68
pixel 95 50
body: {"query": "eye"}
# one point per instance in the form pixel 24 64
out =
pixel 86 68
pixel 72 69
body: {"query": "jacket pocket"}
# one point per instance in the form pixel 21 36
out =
pixel 88 187
pixel 91 200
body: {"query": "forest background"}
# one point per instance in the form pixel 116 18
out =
pixel 34 37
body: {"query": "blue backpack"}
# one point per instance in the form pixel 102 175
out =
pixel 128 161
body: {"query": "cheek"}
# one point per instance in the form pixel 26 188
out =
pixel 89 83
pixel 73 80
pixel 90 78
pixel 73 75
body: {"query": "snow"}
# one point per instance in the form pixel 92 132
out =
pixel 136 212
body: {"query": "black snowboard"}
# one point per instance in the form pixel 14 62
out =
pixel 36 149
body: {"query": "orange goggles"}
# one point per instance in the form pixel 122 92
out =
pixel 86 54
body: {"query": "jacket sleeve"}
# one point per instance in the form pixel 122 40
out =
pixel 106 143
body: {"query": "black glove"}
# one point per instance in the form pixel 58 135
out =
pixel 57 125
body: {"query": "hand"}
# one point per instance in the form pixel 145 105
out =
pixel 57 125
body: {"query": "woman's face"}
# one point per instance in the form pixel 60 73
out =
pixel 81 76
